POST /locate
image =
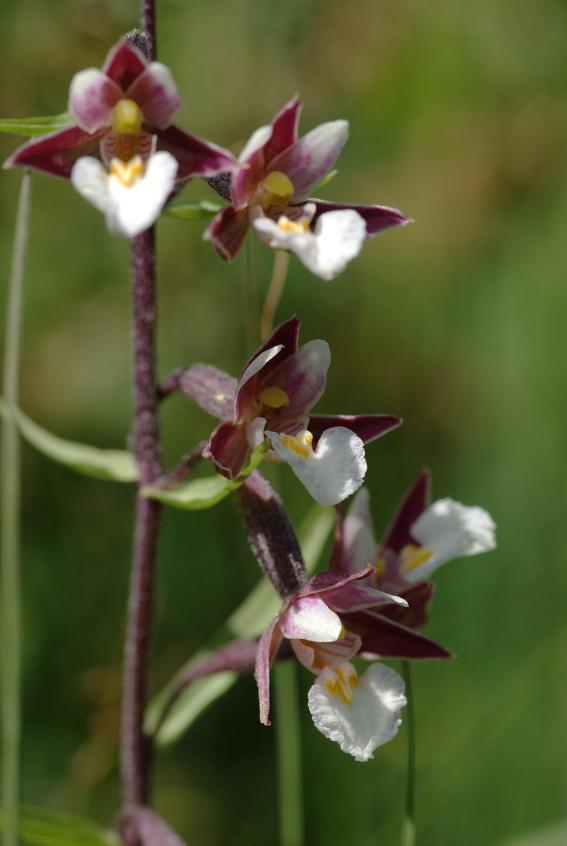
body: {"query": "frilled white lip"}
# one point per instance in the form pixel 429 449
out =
pixel 450 530
pixel 129 209
pixel 326 250
pixel 371 717
pixel 331 472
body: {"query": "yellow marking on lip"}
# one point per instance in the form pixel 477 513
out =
pixel 127 172
pixel 274 397
pixel 299 444
pixel 413 557
pixel 127 118
pixel 287 225
pixel 342 684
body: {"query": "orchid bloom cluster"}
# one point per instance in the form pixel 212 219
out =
pixel 126 157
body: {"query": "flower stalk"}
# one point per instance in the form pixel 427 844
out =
pixel 275 291
pixel 408 823
pixel 10 621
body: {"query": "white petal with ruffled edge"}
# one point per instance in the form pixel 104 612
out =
pixel 129 209
pixel 370 719
pixel 451 530
pixel 331 472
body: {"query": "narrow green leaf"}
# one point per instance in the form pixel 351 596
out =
pixel 31 127
pixel 110 464
pixel 44 827
pixel 193 209
pixel 197 494
pixel 328 178
pixel 249 620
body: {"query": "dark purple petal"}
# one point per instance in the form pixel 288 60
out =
pixel 228 449
pixel 227 231
pixel 212 389
pixel 322 582
pixel 368 427
pixel 124 64
pixel 195 156
pixel 377 218
pixel 271 535
pixel 419 599
pixel 389 639
pixel 57 152
pixel 284 129
pixel 285 335
pixel 412 505
pixel 301 376
pixel 142 826
pixel 245 181
pixel 307 161
pixel 268 646
pixel 358 596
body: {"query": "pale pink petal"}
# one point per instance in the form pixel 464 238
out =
pixel 92 96
pixel 156 94
pixel 268 646
pixel 308 160
pixel 310 618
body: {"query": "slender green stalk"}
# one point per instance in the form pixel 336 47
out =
pixel 10 624
pixel 275 291
pixel 288 754
pixel 408 825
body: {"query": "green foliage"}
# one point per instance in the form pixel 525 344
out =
pixel 193 209
pixel 44 827
pixel 32 127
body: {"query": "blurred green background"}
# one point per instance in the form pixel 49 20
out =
pixel 458 116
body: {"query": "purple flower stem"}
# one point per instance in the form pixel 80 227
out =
pixel 135 746
pixel 149 27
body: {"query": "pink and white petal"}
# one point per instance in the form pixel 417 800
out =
pixel 92 96
pixel 57 152
pixel 227 231
pixel 332 472
pixel 255 432
pixel 315 656
pixel 196 157
pixel 414 503
pixel 369 720
pixel 156 94
pixel 302 376
pixel 124 64
pixel 310 618
pixel 357 542
pixel 90 178
pixel 245 180
pixel 212 389
pixel 137 207
pixel 358 596
pixel 308 160
pixel 268 646
pixel 228 449
pixel 256 365
pixel 376 218
pixel 284 129
pixel 368 427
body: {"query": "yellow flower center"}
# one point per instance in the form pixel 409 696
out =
pixel 274 397
pixel 379 568
pixel 127 172
pixel 127 118
pixel 299 444
pixel 287 225
pixel 413 557
pixel 276 189
pixel 343 683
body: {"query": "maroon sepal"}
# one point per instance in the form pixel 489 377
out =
pixel 419 599
pixel 228 449
pixel 368 427
pixel 377 218
pixel 383 636
pixel 57 152
pixel 413 504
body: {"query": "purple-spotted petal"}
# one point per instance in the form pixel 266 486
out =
pixel 227 231
pixel 227 448
pixel 245 180
pixel 212 389
pixel 307 161
pixel 284 130
pixel 124 64
pixel 384 637
pixel 302 376
pixel 310 618
pixel 368 427
pixel 268 646
pixel 57 152
pixel 412 505
pixel 92 96
pixel 377 218
pixel 196 157
pixel 156 94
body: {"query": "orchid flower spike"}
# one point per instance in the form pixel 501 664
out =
pixel 123 153
pixel 272 190
pixel 420 539
pixel 269 406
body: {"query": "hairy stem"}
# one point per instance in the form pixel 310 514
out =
pixel 149 27
pixel 10 623
pixel 408 825
pixel 288 753
pixel 275 291
pixel 135 751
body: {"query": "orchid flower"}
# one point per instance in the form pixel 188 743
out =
pixel 272 189
pixel 269 405
pixel 420 539
pixel 358 713
pixel 123 153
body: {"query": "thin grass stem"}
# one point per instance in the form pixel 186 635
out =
pixel 408 825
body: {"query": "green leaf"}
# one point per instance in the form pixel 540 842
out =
pixel 193 209
pixel 44 827
pixel 33 126
pixel 249 620
pixel 197 494
pixel 113 465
